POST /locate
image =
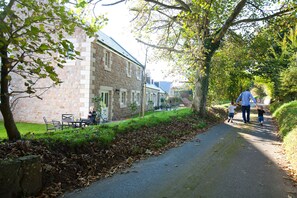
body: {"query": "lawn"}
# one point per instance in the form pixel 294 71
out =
pixel 24 128
pixel 150 119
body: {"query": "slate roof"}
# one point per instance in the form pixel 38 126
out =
pixel 152 86
pixel 112 44
pixel 165 85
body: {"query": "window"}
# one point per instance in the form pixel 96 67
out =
pixel 138 73
pixel 129 68
pixel 123 98
pixel 138 98
pixel 133 99
pixel 107 60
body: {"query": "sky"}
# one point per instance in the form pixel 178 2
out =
pixel 120 30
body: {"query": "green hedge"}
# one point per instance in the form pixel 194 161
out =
pixel 286 117
pixel 290 143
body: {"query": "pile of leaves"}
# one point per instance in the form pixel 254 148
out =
pixel 66 168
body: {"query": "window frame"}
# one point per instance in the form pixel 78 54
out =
pixel 107 59
pixel 138 73
pixel 129 69
pixel 123 104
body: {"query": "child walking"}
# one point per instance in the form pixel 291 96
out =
pixel 231 110
pixel 260 114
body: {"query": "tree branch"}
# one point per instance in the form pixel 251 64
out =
pixel 4 13
pixel 159 47
pixel 264 18
pixel 167 6
pixel 186 6
pixel 114 3
pixel 230 20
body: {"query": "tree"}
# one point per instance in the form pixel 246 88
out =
pixel 33 42
pixel 289 76
pixel 196 28
pixel 230 73
pixel 272 51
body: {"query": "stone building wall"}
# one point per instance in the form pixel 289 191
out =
pixel 82 80
pixel 115 79
pixel 72 96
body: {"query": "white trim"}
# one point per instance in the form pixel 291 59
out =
pixel 128 68
pixel 123 105
pixel 138 72
pixel 138 98
pixel 107 53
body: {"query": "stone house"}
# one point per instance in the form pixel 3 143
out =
pixel 104 69
pixel 154 94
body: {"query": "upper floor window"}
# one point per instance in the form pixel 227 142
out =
pixel 107 60
pixel 138 73
pixel 129 68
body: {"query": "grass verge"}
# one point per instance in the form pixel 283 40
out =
pixel 286 117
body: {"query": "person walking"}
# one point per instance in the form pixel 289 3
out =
pixel 260 114
pixel 231 110
pixel 245 98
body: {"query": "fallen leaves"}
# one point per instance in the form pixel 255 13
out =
pixel 66 169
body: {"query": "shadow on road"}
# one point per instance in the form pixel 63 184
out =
pixel 229 160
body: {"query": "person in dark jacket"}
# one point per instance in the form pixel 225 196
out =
pixel 260 114
pixel 92 115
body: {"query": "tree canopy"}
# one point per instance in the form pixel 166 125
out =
pixel 195 29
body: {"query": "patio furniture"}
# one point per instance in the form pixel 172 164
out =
pixel 52 126
pixel 67 120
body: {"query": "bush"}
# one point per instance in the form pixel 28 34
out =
pixel 290 143
pixel 286 117
pixel 287 120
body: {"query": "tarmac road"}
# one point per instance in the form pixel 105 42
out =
pixel 229 160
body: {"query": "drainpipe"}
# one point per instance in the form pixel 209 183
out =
pixel 143 86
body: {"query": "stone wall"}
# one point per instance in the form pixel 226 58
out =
pixel 115 79
pixel 20 177
pixel 72 96
pixel 82 80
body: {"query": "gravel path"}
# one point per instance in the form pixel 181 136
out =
pixel 229 160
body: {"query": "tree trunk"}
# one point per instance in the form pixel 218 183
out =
pixel 201 87
pixel 202 78
pixel 10 126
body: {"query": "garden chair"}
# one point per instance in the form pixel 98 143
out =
pixel 52 126
pixel 67 120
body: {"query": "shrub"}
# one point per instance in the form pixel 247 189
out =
pixel 286 117
pixel 290 143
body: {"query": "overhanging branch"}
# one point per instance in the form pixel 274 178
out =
pixel 168 6
pixel 160 47
pixel 283 12
pixel 114 3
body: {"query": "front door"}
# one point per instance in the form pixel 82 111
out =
pixel 104 105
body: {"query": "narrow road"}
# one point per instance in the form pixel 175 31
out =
pixel 229 160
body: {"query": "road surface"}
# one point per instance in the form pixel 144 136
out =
pixel 229 160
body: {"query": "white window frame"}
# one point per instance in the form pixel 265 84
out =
pixel 107 61
pixel 123 101
pixel 138 73
pixel 137 99
pixel 129 68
